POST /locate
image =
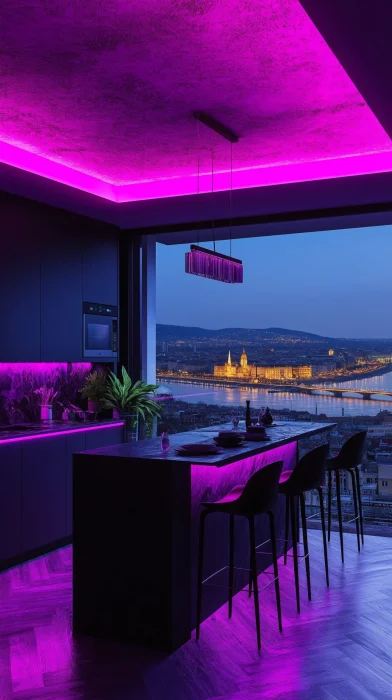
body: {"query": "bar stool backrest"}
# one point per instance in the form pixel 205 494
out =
pixel 352 451
pixel 261 490
pixel 309 473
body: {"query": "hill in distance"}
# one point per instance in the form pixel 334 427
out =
pixel 192 333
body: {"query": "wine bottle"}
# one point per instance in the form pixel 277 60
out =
pixel 248 421
pixel 267 418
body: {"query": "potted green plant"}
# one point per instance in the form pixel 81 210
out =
pixel 132 402
pixel 46 397
pixel 94 390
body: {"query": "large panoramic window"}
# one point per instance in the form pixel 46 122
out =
pixel 308 335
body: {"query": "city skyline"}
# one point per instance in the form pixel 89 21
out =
pixel 334 283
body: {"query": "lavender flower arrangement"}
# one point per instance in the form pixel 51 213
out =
pixel 46 394
pixel 21 385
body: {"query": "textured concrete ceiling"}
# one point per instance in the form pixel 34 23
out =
pixel 108 88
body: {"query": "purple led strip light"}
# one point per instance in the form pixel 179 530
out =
pixel 61 432
pixel 216 266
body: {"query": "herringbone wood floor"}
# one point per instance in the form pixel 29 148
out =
pixel 339 648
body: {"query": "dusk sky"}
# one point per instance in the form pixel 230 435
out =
pixel 335 283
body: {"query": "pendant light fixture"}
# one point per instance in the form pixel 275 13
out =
pixel 202 261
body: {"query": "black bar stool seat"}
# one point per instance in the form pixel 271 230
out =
pixel 256 497
pixel 348 459
pixel 307 475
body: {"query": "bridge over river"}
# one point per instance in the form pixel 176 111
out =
pixel 339 393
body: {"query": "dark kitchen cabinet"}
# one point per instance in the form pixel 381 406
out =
pixel 10 501
pixel 74 443
pixel 61 302
pixel 51 261
pixel 20 282
pixel 36 490
pixel 43 491
pixel 100 275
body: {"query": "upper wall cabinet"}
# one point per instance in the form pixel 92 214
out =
pixel 100 276
pixel 51 261
pixel 20 283
pixel 61 301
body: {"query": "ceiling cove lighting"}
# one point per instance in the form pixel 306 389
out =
pixel 215 266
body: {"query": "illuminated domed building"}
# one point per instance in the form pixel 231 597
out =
pixel 254 373
pixel 241 370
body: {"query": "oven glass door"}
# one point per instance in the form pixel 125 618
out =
pixel 98 334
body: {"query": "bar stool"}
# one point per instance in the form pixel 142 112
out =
pixel 307 475
pixel 258 496
pixel 348 460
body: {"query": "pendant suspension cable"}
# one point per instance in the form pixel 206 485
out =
pixel 212 198
pixel 231 190
pixel 198 182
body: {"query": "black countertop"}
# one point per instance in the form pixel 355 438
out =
pixel 27 430
pixel 150 449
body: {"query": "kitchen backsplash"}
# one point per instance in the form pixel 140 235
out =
pixel 18 382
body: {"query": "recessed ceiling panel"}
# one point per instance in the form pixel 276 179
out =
pixel 100 95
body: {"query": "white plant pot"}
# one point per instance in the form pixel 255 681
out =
pixel 46 412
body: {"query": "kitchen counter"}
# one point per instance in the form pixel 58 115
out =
pixel 278 435
pixel 31 430
pixel 36 484
pixel 136 517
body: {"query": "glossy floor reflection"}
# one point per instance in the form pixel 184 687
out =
pixel 338 648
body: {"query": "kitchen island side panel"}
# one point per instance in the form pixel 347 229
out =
pixel 131 554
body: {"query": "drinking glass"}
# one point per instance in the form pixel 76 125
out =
pixel 236 421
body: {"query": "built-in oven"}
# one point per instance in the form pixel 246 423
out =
pixel 100 330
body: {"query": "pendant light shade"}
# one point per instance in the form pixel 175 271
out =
pixel 215 266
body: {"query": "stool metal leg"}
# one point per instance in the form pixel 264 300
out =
pixel 200 572
pixel 359 502
pixel 320 494
pixel 337 474
pixel 231 565
pixel 252 542
pixel 286 530
pixel 306 547
pixel 276 570
pixel 356 514
pixel 295 551
pixel 329 504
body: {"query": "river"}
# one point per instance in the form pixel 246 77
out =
pixel 328 404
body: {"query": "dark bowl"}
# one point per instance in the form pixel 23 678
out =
pixel 228 442
pixel 259 429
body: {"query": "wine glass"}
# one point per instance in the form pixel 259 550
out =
pixel 236 420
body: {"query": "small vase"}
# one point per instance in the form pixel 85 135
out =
pixel 165 442
pixel 46 412
pixel 93 406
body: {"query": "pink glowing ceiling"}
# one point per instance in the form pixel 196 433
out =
pixel 100 96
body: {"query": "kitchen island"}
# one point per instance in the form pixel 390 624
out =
pixel 136 515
